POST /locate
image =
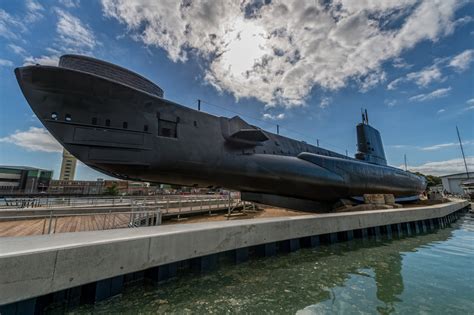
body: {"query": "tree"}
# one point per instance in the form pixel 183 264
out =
pixel 112 190
pixel 431 180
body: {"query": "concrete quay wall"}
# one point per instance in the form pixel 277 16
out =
pixel 36 266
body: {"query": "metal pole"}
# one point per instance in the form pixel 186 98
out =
pixel 199 104
pixel 278 129
pixel 44 225
pixel 228 208
pixel 462 151
pixel 50 218
pixel 317 142
pixel 406 168
pixel 55 224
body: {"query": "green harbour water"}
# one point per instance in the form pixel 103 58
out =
pixel 429 273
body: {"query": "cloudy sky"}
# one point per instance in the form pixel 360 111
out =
pixel 309 67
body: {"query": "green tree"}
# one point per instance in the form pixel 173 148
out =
pixel 431 180
pixel 111 190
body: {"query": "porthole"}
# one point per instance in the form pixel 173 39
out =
pixel 107 122
pixel 67 117
pixel 195 124
pixel 54 115
pixel 125 125
pixel 145 128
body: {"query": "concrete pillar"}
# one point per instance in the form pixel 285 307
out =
pixel 350 235
pixel 19 308
pixel 294 244
pixel 204 263
pixel 377 233
pixel 240 255
pixel 312 241
pixel 267 250
pixel 432 224
pixel 408 225
pixel 424 227
pixel 332 238
pixel 161 273
pixel 365 234
pixel 106 288
pixel 389 231
pixel 441 223
pixel 134 277
pixel 417 228
pixel 71 297
pixel 399 230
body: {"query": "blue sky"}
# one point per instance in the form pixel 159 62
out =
pixel 309 67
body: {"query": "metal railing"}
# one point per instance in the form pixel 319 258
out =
pixel 102 221
pixel 54 202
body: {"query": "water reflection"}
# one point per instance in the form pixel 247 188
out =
pixel 348 277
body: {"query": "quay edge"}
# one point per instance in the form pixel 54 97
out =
pixel 92 266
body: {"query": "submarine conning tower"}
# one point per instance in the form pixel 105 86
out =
pixel 369 143
pixel 110 71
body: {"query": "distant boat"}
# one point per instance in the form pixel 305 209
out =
pixel 119 123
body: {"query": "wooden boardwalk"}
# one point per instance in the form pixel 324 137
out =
pixel 63 224
pixel 94 222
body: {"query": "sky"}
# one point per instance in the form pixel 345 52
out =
pixel 308 66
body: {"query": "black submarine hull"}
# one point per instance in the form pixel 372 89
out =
pixel 126 131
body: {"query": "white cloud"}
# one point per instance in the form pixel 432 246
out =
pixel 400 63
pixel 470 101
pixel 34 139
pixel 425 76
pixel 73 37
pixel 70 3
pixel 10 26
pixel 278 51
pixel 34 11
pixel 394 84
pixel 390 103
pixel 325 102
pixel 434 147
pixel 433 95
pixel 52 60
pixel 433 73
pixel 372 80
pixel 274 117
pixel 443 167
pixel 462 61
pixel 17 49
pixel 442 110
pixel 5 63
pixel 73 33
pixel 442 146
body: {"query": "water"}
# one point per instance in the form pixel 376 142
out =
pixel 427 274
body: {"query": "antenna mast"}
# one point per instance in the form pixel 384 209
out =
pixel 462 151
pixel 406 168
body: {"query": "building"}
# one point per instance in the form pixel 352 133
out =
pixel 24 179
pixel 76 187
pixel 68 166
pixel 452 183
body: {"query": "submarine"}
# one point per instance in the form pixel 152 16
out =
pixel 119 123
